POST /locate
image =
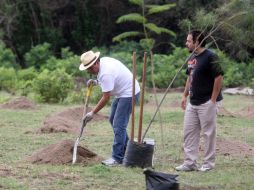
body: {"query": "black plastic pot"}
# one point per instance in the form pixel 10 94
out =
pixel 139 154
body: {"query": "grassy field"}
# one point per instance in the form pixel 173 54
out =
pixel 19 140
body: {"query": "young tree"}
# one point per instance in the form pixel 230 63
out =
pixel 142 19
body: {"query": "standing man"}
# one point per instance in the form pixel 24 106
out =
pixel 115 79
pixel 203 86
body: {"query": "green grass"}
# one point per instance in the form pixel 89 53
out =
pixel 18 140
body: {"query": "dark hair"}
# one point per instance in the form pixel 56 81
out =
pixel 198 36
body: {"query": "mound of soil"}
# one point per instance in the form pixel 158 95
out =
pixel 247 112
pixel 61 153
pixel 224 112
pixel 19 103
pixel 229 147
pixel 66 121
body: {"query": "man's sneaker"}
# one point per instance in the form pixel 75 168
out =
pixel 205 169
pixel 110 162
pixel 185 168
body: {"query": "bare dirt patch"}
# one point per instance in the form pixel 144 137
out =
pixel 19 103
pixel 247 112
pixel 229 147
pixel 61 153
pixel 66 121
pixel 53 176
pixel 222 111
pixel 5 171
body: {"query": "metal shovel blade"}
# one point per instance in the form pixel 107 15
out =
pixel 83 124
pixel 74 156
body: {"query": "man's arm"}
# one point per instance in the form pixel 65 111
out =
pixel 103 101
pixel 216 88
pixel 185 94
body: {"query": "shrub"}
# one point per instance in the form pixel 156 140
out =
pixel 74 97
pixel 124 57
pixel 8 79
pixel 53 86
pixel 80 96
pixel 66 53
pixel 249 74
pixel 7 58
pixel 38 55
pixel 70 65
pixel 95 95
pixel 232 77
pixel 25 78
pixel 126 46
pixel 166 67
pixel 27 74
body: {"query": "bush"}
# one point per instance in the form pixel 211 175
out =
pixel 124 57
pixel 70 65
pixel 8 79
pixel 126 46
pixel 27 74
pixel 80 96
pixel 25 78
pixel 74 97
pixel 7 58
pixel 166 67
pixel 38 55
pixel 95 95
pixel 53 86
pixel 233 76
pixel 249 74
pixel 66 53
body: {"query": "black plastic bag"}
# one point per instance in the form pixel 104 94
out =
pixel 160 181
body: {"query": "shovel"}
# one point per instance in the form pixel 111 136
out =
pixel 83 123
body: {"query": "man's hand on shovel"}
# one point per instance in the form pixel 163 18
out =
pixel 91 82
pixel 88 117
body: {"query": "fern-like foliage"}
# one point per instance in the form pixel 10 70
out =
pixel 124 35
pixel 158 30
pixel 146 40
pixel 159 8
pixel 137 2
pixel 132 17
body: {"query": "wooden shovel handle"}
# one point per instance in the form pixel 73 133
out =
pixel 133 94
pixel 142 99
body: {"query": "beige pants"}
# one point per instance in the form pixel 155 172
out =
pixel 197 118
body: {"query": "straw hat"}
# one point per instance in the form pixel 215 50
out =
pixel 87 59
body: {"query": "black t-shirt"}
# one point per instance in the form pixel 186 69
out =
pixel 202 70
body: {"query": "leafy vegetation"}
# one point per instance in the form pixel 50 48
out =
pixel 53 86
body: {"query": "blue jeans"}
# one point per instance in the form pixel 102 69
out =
pixel 119 119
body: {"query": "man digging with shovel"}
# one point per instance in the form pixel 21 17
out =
pixel 115 79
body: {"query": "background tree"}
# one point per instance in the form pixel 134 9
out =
pixel 232 25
